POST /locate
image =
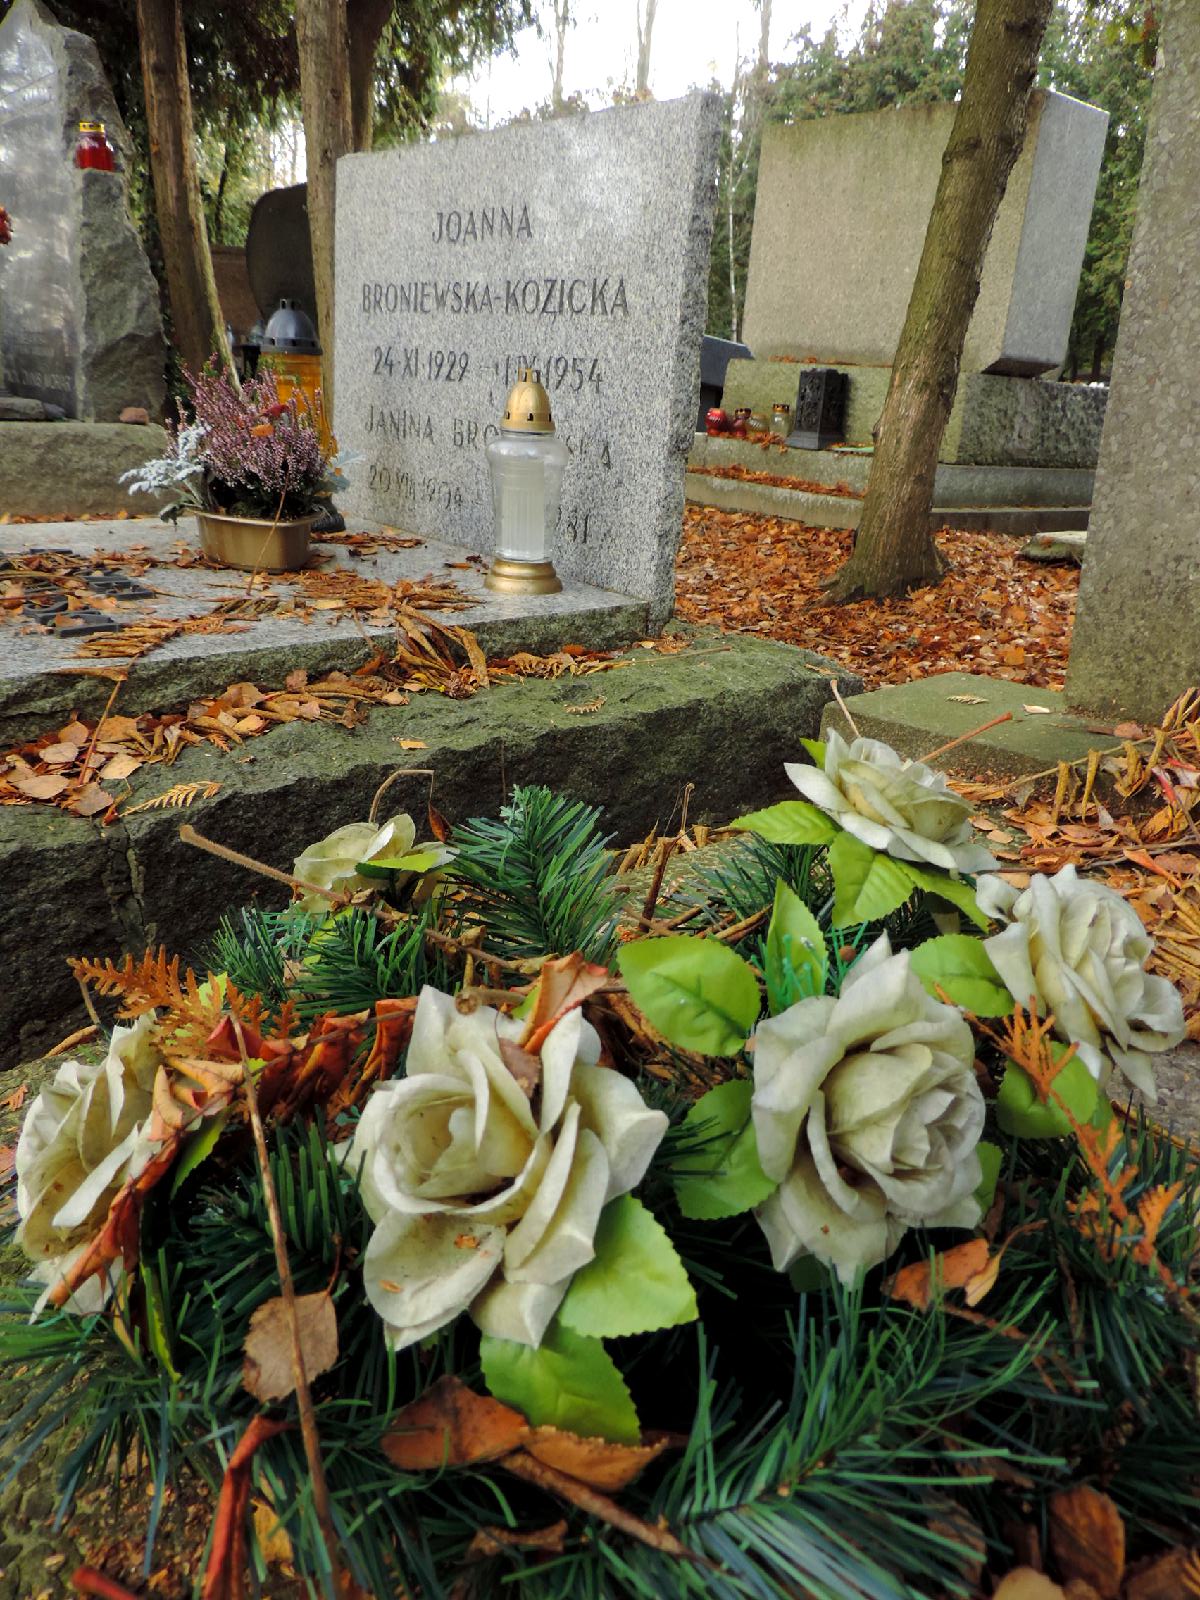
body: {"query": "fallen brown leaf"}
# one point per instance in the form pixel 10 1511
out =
pixel 267 1370
pixel 1087 1539
pixel 1025 1584
pixel 597 1462
pixel 452 1426
pixel 956 1269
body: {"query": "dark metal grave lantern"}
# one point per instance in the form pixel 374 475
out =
pixel 819 418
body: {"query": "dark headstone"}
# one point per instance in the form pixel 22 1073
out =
pixel 818 417
pixel 80 325
pixel 279 251
pixel 715 356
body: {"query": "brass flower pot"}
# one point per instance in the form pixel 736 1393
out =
pixel 254 544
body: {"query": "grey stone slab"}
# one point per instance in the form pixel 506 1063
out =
pixel 838 291
pixel 1137 628
pixel 52 470
pixel 724 714
pixel 578 247
pixel 954 484
pixel 80 325
pixel 996 420
pixel 817 510
pixel 38 689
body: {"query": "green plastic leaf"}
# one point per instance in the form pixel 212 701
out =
pixel 1020 1112
pixel 197 1147
pixel 696 992
pixel 959 965
pixel 789 822
pixel 807 1275
pixel 721 1178
pixel 795 949
pixel 816 749
pixel 414 861
pixel 569 1381
pixel 958 892
pixel 991 1158
pixel 157 1335
pixel 866 884
pixel 636 1281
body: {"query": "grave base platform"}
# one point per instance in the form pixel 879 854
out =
pixel 724 713
pixel 996 420
pixel 917 717
pixel 71 469
pixel 844 511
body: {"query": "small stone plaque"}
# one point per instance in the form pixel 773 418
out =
pixel 578 247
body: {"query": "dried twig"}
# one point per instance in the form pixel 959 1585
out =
pixel 595 1504
pixel 189 835
pixel 308 1418
pixel 953 744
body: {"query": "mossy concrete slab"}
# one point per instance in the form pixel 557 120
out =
pixel 72 469
pixel 915 718
pixel 724 714
pixel 841 511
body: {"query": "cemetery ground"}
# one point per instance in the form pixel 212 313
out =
pixel 995 613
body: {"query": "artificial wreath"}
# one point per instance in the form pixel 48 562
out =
pixel 457 1228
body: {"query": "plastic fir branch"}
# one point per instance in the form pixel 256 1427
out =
pixel 540 878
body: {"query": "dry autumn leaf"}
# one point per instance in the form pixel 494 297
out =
pixel 452 1426
pixel 597 1462
pixel 958 1268
pixel 1026 1584
pixel 1087 1539
pixel 412 744
pixel 267 1369
pixel 1175 1576
pixel 47 786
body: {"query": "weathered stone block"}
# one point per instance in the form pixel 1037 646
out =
pixel 578 247
pixel 1136 644
pixel 71 469
pixel 996 420
pixel 840 218
pixel 80 325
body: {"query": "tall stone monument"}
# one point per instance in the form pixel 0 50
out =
pixel 80 326
pixel 1137 627
pixel 843 204
pixel 578 247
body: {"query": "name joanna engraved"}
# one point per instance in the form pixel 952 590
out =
pixel 501 222
pixel 528 297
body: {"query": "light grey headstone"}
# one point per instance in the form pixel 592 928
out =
pixel 578 247
pixel 79 314
pixel 1136 644
pixel 842 206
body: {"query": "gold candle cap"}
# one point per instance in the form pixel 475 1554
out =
pixel 527 409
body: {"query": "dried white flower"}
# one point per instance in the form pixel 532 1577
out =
pixel 867 1114
pixel 485 1170
pixel 178 472
pixel 901 807
pixel 82 1139
pixel 1079 950
pixel 330 863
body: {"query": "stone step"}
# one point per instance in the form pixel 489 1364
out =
pixel 844 511
pixel 724 714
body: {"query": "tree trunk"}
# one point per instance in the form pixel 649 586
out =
pixel 645 29
pixel 197 326
pixel 562 19
pixel 322 38
pixel 365 22
pixel 894 549
pixel 764 37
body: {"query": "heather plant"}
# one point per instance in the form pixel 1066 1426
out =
pixel 243 451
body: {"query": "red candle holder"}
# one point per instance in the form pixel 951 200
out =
pixel 94 148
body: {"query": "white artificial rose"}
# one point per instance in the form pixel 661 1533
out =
pixel 330 863
pixel 485 1176
pixel 901 807
pixel 1078 950
pixel 867 1114
pixel 83 1137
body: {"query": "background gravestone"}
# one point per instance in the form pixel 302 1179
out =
pixel 79 311
pixel 1136 644
pixel 839 224
pixel 578 247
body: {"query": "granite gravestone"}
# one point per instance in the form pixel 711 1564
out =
pixel 842 206
pixel 578 247
pixel 79 316
pixel 1136 644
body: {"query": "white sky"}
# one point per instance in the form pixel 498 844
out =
pixel 694 42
